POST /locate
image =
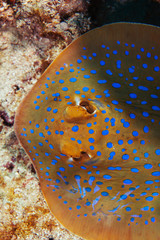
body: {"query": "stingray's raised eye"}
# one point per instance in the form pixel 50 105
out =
pixel 89 107
pixel 83 157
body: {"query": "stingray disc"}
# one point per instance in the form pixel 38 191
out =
pixel 91 127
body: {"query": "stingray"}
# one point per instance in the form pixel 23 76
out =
pixel 91 127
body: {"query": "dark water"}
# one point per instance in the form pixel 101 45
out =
pixel 109 11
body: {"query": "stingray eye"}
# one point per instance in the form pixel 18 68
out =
pixel 88 106
pixel 83 157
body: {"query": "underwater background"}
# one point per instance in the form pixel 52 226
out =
pixel 32 34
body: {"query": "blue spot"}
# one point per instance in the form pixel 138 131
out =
pixel 135 133
pixel 37 107
pixel 149 78
pixel 116 85
pixel 138 56
pixel 146 155
pixel 154 96
pixel 91 131
pixel 152 219
pixel 156 108
pixel 136 159
pixel 102 63
pixel 91 147
pixel 86 76
pixel 77 177
pixel 105 194
pixel 120 142
pixel 108 177
pixel 156 69
pixel 55 110
pixel 149 198
pixel 31 131
pixel 53 162
pixel 133 95
pixel 102 81
pixel 142 142
pixel 148 55
pixel 126 124
pixel 145 65
pixel 143 88
pixel 115 52
pixel 88 203
pixel 123 197
pixel 93 71
pixel 65 89
pixel 148 182
pixel 132 115
pixel 106 120
pixel 148 166
pixel 118 64
pixel 115 102
pixel 157 151
pixel 135 170
pixel 128 102
pixel 98 96
pixel 77 92
pixel 43 92
pixel 126 53
pixel 155 194
pixel 51 146
pixel 88 189
pixel 91 140
pixel 49 109
pixel 85 89
pixel 109 72
pixel 127 181
pixel 131 69
pixel 156 174
pixel 98 153
pixel 72 79
pixel 125 157
pixel 128 209
pixel 130 141
pixel 75 128
pixel 145 114
pixel 146 129
pixel 109 145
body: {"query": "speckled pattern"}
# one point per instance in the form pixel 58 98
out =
pixel 91 128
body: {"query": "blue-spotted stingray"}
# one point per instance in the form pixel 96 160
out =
pixel 91 127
